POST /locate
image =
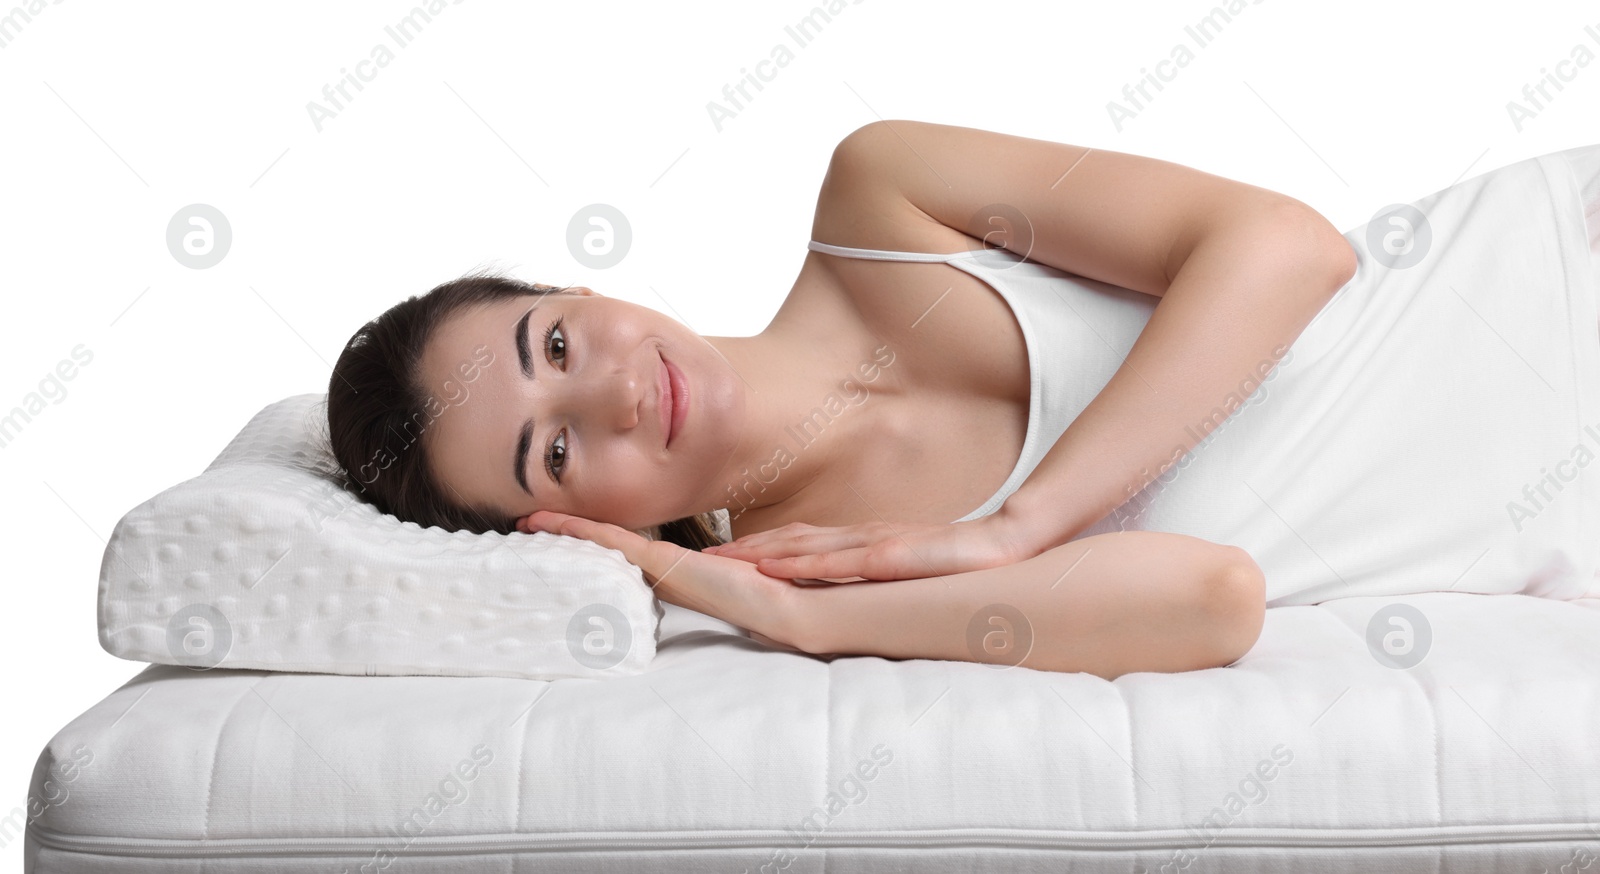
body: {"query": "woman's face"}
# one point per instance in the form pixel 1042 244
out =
pixel 596 445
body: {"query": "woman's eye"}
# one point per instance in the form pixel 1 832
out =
pixel 555 459
pixel 554 336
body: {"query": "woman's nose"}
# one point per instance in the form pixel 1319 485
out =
pixel 618 397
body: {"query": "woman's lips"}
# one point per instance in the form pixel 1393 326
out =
pixel 678 408
pixel 664 401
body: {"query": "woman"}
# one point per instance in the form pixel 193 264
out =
pixel 567 411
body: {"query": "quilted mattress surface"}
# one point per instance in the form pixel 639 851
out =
pixel 1313 752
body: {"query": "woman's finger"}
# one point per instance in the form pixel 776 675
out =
pixel 654 557
pixel 783 532
pixel 820 565
pixel 608 536
pixel 817 541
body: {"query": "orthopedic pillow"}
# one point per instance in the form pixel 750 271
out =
pixel 264 561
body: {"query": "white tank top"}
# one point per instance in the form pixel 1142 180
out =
pixel 1077 332
pixel 1426 431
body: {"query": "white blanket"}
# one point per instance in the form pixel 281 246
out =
pixel 1436 427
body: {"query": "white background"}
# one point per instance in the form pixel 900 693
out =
pixel 477 144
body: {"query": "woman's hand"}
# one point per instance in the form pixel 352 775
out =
pixel 879 551
pixel 726 588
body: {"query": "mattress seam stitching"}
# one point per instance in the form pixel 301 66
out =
pixel 1433 723
pixel 1451 835
pixel 522 763
pixel 216 753
pixel 1133 770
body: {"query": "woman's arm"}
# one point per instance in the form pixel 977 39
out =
pixel 1229 316
pixel 1241 271
pixel 726 588
pixel 1108 605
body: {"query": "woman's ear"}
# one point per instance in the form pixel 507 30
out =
pixel 584 291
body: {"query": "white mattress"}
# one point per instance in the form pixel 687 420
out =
pixel 724 755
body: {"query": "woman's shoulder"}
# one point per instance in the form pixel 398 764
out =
pixel 857 206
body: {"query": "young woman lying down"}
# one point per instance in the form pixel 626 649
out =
pixel 851 439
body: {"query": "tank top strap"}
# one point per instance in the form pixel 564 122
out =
pixel 885 255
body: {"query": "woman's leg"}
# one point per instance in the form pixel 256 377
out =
pixel 1108 605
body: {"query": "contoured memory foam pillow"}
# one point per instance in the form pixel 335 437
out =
pixel 264 561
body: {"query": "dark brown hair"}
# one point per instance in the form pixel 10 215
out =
pixel 378 414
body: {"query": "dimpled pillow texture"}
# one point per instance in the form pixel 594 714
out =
pixel 265 562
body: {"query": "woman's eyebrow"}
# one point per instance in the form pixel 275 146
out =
pixel 524 356
pixel 525 438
